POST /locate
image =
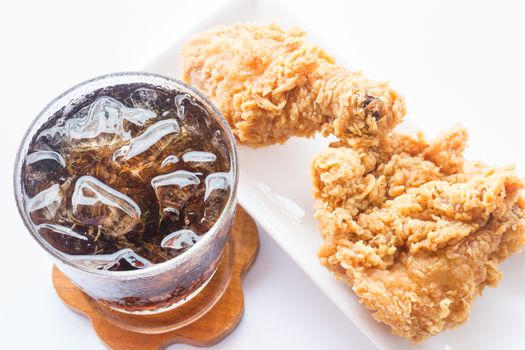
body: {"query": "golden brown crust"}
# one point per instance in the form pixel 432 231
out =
pixel 270 85
pixel 415 229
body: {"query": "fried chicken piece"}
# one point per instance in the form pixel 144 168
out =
pixel 417 231
pixel 270 85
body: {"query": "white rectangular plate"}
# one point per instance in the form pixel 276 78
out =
pixel 275 189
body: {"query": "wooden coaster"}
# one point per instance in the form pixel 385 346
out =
pixel 208 329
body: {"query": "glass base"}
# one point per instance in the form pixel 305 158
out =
pixel 177 315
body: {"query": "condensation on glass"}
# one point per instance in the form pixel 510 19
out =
pixel 129 181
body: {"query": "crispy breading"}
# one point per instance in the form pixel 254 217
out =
pixel 270 85
pixel 415 229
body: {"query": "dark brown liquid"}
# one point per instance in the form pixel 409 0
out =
pixel 129 176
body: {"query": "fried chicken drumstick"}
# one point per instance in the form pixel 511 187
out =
pixel 270 85
pixel 417 231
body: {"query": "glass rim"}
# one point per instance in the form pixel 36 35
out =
pixel 112 79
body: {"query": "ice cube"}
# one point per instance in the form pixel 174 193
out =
pixel 199 156
pixel 63 230
pixel 218 145
pixel 173 190
pixel 43 155
pixel 180 178
pixel 105 115
pixel 95 203
pixel 149 98
pixel 171 213
pixel 216 181
pixel 214 197
pixel 179 104
pixel 48 199
pixel 148 138
pixel 108 261
pixel 171 159
pixel 180 239
pixel 39 166
pixel 190 113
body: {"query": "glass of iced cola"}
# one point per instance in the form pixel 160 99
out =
pixel 129 181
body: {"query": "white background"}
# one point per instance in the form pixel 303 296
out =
pixel 454 62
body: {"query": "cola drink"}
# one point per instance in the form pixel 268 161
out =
pixel 130 172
